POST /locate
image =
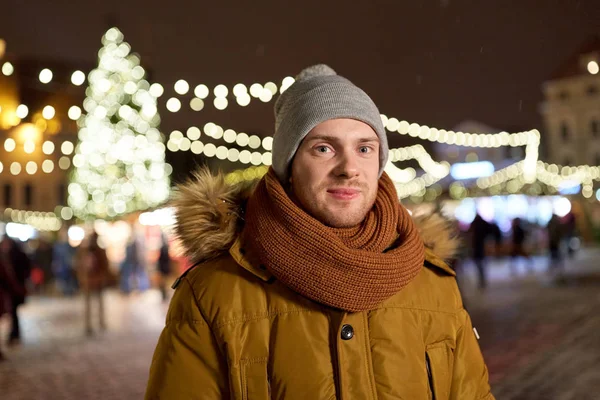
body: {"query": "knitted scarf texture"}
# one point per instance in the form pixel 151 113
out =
pixel 353 269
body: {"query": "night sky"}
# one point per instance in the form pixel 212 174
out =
pixel 431 62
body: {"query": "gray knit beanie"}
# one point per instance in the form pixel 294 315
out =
pixel 318 95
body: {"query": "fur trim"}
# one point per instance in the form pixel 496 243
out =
pixel 208 214
pixel 438 234
pixel 209 217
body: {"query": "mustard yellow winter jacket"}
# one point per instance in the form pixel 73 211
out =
pixel 234 332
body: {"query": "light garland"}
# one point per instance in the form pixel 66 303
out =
pixel 243 94
pixel 245 175
pixel 525 171
pixel 417 185
pixel 47 166
pixel 255 158
pixel 31 167
pixel 177 141
pixel 42 221
pixel 501 176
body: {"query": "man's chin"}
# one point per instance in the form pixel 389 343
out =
pixel 341 219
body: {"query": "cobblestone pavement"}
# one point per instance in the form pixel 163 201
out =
pixel 57 361
pixel 539 338
pixel 539 334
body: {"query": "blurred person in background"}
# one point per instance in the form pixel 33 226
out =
pixel 133 275
pixel 479 230
pixel 62 263
pixel 9 287
pixel 570 234
pixel 42 258
pixel 5 295
pixel 555 238
pixel 93 274
pixel 316 283
pixel 6 274
pixel 497 235
pixel 21 269
pixel 519 239
pixel 164 266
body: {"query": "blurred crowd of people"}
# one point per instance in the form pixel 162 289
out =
pixel 484 239
pixel 58 268
pixel 50 268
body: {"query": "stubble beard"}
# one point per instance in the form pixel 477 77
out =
pixel 342 217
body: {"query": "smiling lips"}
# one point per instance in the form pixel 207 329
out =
pixel 344 193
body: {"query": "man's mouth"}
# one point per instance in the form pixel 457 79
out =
pixel 344 193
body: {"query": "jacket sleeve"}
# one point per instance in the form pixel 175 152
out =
pixel 187 362
pixel 470 375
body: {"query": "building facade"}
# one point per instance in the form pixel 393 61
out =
pixel 39 104
pixel 571 109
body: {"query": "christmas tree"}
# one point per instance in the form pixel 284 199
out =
pixel 119 162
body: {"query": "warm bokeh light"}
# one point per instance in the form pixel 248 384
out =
pixel 29 146
pixel 48 112
pixel 193 133
pixel 8 69
pixel 221 91
pixel 156 90
pixel 64 162
pixel 197 104
pixel 10 145
pixel 47 166
pixel 15 168
pixel 77 78
pixel 74 113
pixel 173 104
pixel 66 148
pixel 22 111
pixel 286 83
pixel 201 91
pixel 220 103
pixel 593 67
pixel 181 87
pixel 31 167
pixel 45 75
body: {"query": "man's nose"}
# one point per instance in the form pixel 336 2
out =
pixel 347 165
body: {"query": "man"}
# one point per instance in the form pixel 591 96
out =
pixel 20 263
pixel 93 274
pixel 315 284
pixel 480 229
pixel 62 263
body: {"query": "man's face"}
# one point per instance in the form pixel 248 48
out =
pixel 335 172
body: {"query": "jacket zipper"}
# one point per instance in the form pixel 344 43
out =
pixel 429 376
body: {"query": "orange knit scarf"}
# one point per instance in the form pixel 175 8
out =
pixel 353 269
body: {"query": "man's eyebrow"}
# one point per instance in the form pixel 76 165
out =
pixel 325 138
pixel 369 140
pixel 322 138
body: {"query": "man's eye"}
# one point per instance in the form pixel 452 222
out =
pixel 365 149
pixel 322 149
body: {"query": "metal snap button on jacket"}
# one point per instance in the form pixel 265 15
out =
pixel 347 332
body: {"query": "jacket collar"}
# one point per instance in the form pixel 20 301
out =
pixel 245 259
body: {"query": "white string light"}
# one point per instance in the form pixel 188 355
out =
pixel 42 221
pixel 216 132
pixel 77 78
pixel 525 171
pixel 45 75
pixel 7 69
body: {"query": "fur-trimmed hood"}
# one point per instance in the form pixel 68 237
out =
pixel 209 217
